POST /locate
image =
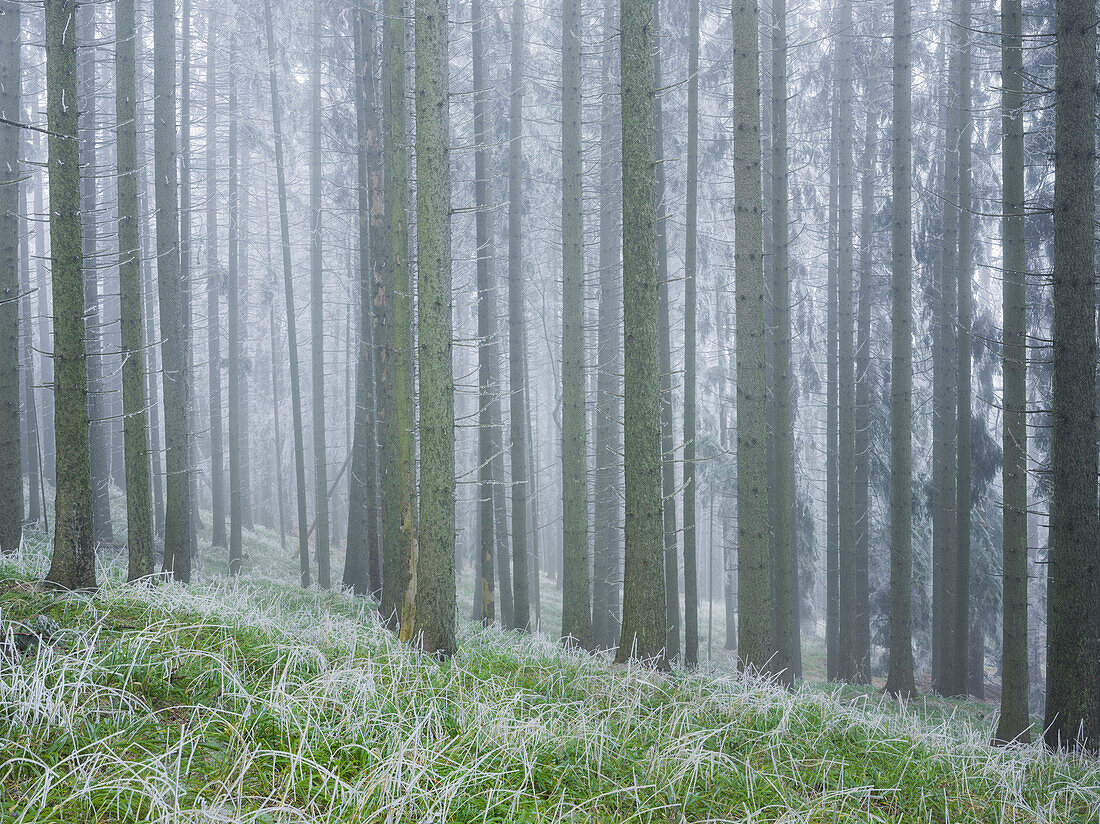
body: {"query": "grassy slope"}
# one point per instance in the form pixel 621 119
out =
pixel 255 701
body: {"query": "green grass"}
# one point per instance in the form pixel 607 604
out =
pixel 254 701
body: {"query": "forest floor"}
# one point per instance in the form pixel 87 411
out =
pixel 255 701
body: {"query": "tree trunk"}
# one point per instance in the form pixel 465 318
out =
pixel 608 367
pixel 175 372
pixel 139 516
pixel 644 628
pixel 399 534
pixel 782 484
pixel 236 447
pixel 521 618
pixel 832 421
pixel 668 446
pixel 691 571
pixel 1015 721
pixel 947 678
pixel 11 472
pixel 428 615
pixel 291 324
pixel 1073 680
pixel 963 451
pixel 576 619
pixel 73 563
pixel 754 642
pixel 900 680
pixel 99 433
pixel 317 315
pixel 361 570
pixel 861 632
pixel 213 292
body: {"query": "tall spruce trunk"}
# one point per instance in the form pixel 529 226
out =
pixel 11 471
pixel 233 322
pixel 947 678
pixel 214 274
pixel 832 421
pixel 399 533
pixel 521 618
pixel 755 645
pixel 900 680
pixel 846 456
pixel 428 615
pixel 668 412
pixel 861 631
pixel 488 348
pixel 576 619
pixel 644 628
pixel 73 562
pixel 691 571
pixel 782 483
pixel 317 313
pixel 1014 723
pixel 1073 573
pixel 139 515
pixel 963 321
pixel 184 255
pixel 607 477
pixel 361 569
pixel 175 371
pixel 288 290
pixel 98 407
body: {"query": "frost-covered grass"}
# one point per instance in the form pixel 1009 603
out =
pixel 256 701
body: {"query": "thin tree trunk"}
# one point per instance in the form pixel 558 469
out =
pixel 900 680
pixel 361 570
pixel 99 433
pixel 175 371
pixel 832 420
pixel 73 563
pixel 1014 723
pixel 963 320
pixel 861 632
pixel 1073 628
pixel 644 629
pixel 947 678
pixel 213 292
pixel 236 481
pixel 521 618
pixel 316 313
pixel 139 516
pixel 32 455
pixel 608 367
pixel 668 446
pixel 782 486
pixel 399 534
pixel 291 325
pixel 487 353
pixel 428 614
pixel 576 626
pixel 754 566
pixel 691 587
pixel 280 494
pixel 11 472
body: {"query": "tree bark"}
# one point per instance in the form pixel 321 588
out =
pixel 755 644
pixel 291 324
pixel 644 629
pixel 11 471
pixel 213 294
pixel 175 371
pixel 900 680
pixel 73 563
pixel 139 515
pixel 1073 596
pixel 428 615
pixel 576 626
pixel 1014 723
